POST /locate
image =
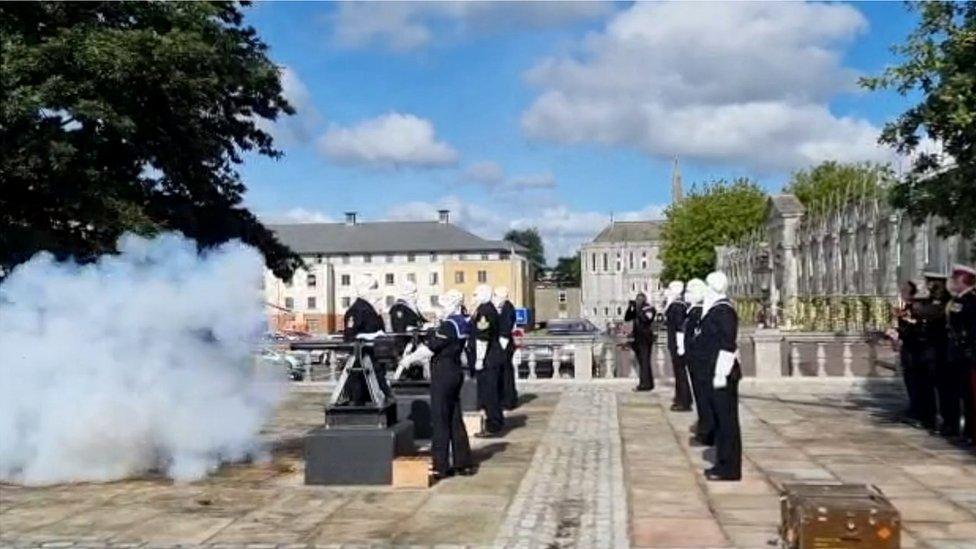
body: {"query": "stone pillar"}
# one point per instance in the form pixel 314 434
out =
pixel 583 361
pixel 767 350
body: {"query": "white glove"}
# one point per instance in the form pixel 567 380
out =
pixel 504 342
pixel 481 349
pixel 680 338
pixel 370 337
pixel 420 354
pixel 723 367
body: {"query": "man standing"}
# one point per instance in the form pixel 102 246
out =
pixel 405 317
pixel 642 314
pixel 719 330
pixel 933 343
pixel 361 321
pixel 962 341
pixel 701 372
pixel 488 358
pixel 506 325
pixel 675 313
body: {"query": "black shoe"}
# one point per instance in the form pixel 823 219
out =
pixel 677 408
pixel 438 475
pixel 467 471
pixel 640 389
pixel 713 476
pixel 486 434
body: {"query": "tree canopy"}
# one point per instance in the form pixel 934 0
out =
pixel 713 215
pixel 939 64
pixel 568 270
pixel 131 116
pixel 532 241
pixel 831 180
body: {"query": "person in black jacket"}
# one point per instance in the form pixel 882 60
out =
pixel 642 314
pixel 506 325
pixel 916 372
pixel 675 313
pixel 933 343
pixel 488 358
pixel 405 317
pixel 717 337
pixel 450 438
pixel 962 341
pixel 700 371
pixel 361 321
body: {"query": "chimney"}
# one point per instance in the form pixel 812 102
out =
pixel 350 218
pixel 444 216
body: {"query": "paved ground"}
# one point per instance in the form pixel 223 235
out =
pixel 583 466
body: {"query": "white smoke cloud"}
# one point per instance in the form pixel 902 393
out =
pixel 139 362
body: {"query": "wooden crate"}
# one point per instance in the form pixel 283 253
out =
pixel 411 472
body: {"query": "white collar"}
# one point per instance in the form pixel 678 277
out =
pixel 966 291
pixel 711 303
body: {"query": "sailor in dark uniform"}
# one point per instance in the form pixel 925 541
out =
pixel 674 319
pixel 719 329
pixel 361 321
pixel 917 373
pixel 405 317
pixel 506 325
pixel 449 443
pixel 962 341
pixel 933 344
pixel 700 372
pixel 488 359
pixel 642 314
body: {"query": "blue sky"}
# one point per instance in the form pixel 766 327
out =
pixel 556 115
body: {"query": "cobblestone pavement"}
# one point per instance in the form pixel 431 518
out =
pixel 573 494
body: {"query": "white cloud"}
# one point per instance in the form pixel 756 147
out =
pixel 298 215
pixel 486 173
pixel 300 127
pixel 404 26
pixel 390 140
pixel 492 176
pixel 562 228
pixel 532 181
pixel 735 83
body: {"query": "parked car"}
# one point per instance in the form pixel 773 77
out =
pixel 292 366
pixel 571 326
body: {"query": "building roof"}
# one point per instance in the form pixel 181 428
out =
pixel 786 204
pixel 630 231
pixel 384 237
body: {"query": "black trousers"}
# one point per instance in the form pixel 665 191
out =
pixel 948 387
pixel 728 438
pixel 450 437
pixel 488 383
pixel 645 374
pixel 509 392
pixel 701 384
pixel 682 384
pixel 919 384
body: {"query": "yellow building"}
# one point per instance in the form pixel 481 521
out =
pixel 510 270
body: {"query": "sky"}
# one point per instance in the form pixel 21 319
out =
pixel 559 115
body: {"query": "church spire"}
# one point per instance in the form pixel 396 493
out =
pixel 676 194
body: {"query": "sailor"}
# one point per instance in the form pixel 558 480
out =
pixel 449 443
pixel 717 338
pixel 700 372
pixel 962 341
pixel 642 314
pixel 918 377
pixel 506 325
pixel 675 311
pixel 361 321
pixel 933 343
pixel 488 358
pixel 406 317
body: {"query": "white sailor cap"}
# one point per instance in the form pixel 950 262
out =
pixel 959 269
pixel 934 275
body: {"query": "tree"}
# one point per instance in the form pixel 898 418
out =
pixel 716 214
pixel 939 63
pixel 568 270
pixel 131 116
pixel 832 180
pixel 530 239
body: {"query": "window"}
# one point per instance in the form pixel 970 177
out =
pixel 605 262
pixel 433 279
pixel 390 279
pixel 606 311
pixel 562 297
pixel 346 301
pixel 412 277
pixel 433 257
pixel 504 256
pixel 482 276
pixel 434 301
pixel 389 258
pixel 411 258
pixel 459 277
pixel 593 265
pixel 289 303
pixel 643 260
pixel 484 257
pixel 631 264
pixel 462 257
pixel 289 282
pixel 390 300
pixel 618 310
pixel 310 303
pixel 345 259
pixel 367 258
pixel 310 281
pixel 318 259
pixel 344 280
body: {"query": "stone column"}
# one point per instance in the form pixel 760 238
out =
pixel 767 350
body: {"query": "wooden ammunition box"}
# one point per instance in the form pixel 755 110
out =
pixel 838 516
pixel 411 472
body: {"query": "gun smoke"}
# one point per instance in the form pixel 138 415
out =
pixel 139 362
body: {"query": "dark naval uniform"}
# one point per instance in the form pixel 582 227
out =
pixel 446 377
pixel 643 334
pixel 674 319
pixel 933 343
pixel 701 377
pixel 719 329
pixel 506 325
pixel 962 353
pixel 403 318
pixel 485 328
pixel 362 318
pixel 913 332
